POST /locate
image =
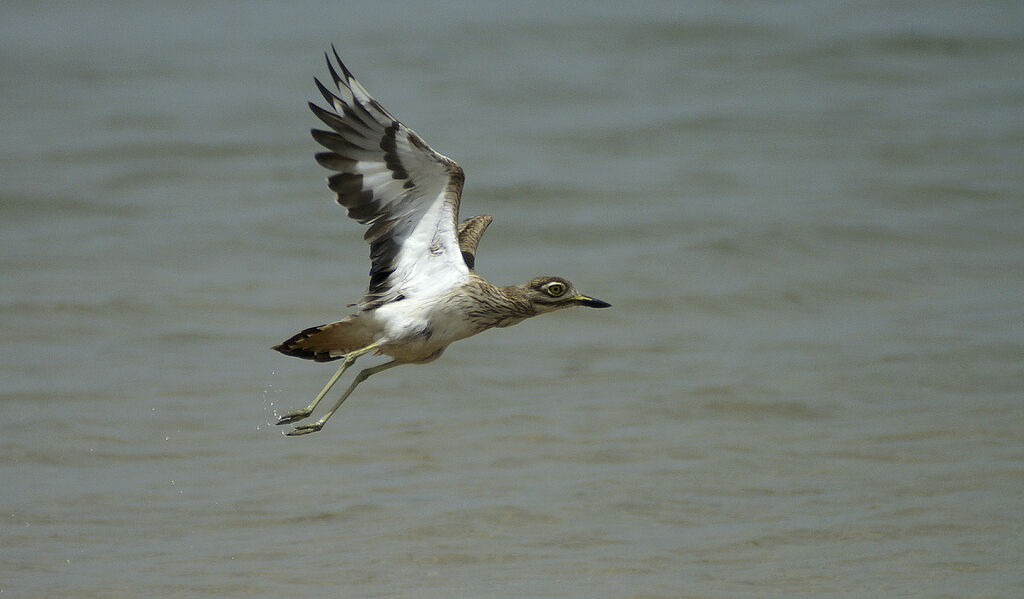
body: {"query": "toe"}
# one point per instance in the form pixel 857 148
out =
pixel 292 417
pixel 304 429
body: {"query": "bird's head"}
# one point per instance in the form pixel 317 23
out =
pixel 548 294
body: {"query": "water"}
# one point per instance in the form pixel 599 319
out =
pixel 809 219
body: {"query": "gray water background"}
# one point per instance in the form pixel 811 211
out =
pixel 809 218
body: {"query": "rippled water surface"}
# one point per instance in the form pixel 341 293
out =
pixel 809 218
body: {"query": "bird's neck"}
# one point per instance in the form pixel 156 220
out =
pixel 501 306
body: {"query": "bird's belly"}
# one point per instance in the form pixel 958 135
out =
pixel 412 352
pixel 423 334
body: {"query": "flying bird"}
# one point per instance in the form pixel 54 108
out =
pixel 424 292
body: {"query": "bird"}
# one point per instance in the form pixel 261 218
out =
pixel 424 291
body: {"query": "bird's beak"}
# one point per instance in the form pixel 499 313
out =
pixel 590 302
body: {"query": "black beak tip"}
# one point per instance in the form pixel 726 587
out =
pixel 595 303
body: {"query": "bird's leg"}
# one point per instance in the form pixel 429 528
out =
pixel 304 429
pixel 305 412
pixel 350 359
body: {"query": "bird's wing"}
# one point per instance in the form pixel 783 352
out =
pixel 389 178
pixel 470 232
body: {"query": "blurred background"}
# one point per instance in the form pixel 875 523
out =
pixel 809 217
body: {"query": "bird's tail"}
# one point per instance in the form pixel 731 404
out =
pixel 326 342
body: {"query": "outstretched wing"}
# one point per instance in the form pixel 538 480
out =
pixel 389 178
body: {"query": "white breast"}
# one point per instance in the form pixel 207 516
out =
pixel 414 329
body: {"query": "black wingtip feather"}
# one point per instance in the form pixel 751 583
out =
pixel 335 142
pixel 334 162
pixel 332 120
pixel 349 111
pixel 341 64
pixel 326 93
pixel 330 67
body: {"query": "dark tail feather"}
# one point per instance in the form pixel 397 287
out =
pixel 326 342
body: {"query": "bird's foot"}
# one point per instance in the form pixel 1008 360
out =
pixel 305 429
pixel 295 416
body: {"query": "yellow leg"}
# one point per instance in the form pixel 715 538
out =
pixel 305 429
pixel 350 359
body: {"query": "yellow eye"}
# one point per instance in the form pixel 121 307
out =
pixel 555 289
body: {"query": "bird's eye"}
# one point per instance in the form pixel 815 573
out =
pixel 555 289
